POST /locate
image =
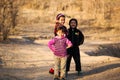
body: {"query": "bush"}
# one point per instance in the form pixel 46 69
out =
pixel 8 14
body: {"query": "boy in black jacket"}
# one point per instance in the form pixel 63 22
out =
pixel 77 38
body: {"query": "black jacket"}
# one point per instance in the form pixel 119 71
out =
pixel 75 36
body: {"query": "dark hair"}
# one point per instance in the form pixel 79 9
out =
pixel 63 28
pixel 73 19
pixel 59 15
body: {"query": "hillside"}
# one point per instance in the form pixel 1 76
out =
pixel 103 13
pixel 96 17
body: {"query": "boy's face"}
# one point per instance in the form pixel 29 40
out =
pixel 73 24
pixel 61 20
pixel 60 33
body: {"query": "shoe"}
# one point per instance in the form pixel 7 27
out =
pixel 79 73
pixel 63 79
pixel 56 79
pixel 66 74
pixel 51 71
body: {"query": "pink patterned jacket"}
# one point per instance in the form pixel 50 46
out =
pixel 59 46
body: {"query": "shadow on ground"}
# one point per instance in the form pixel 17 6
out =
pixel 21 41
pixel 34 73
pixel 96 70
pixel 41 73
pixel 106 49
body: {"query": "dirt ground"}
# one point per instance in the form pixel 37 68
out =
pixel 24 59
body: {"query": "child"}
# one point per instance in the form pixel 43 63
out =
pixel 77 38
pixel 58 45
pixel 60 20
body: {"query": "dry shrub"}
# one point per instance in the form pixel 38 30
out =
pixel 8 14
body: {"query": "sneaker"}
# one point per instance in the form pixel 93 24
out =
pixel 51 71
pixel 66 74
pixel 79 73
pixel 63 79
pixel 56 79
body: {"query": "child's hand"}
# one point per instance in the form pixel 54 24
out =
pixel 68 55
pixel 68 46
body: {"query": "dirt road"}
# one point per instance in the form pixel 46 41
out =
pixel 22 59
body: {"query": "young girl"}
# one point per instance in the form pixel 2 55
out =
pixel 58 45
pixel 60 20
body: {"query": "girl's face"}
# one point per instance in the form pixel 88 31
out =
pixel 61 20
pixel 73 24
pixel 60 33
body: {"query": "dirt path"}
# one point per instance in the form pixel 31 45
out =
pixel 27 60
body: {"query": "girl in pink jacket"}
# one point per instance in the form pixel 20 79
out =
pixel 58 45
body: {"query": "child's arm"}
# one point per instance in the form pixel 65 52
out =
pixel 51 45
pixel 69 44
pixel 81 38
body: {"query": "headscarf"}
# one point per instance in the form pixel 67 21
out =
pixel 59 15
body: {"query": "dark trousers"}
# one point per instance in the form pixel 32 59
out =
pixel 75 53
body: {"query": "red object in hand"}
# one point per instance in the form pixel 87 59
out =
pixel 51 71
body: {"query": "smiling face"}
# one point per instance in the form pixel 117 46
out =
pixel 73 24
pixel 61 20
pixel 60 33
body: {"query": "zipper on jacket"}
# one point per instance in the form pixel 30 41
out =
pixel 73 35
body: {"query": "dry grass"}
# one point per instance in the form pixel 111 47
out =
pixel 100 33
